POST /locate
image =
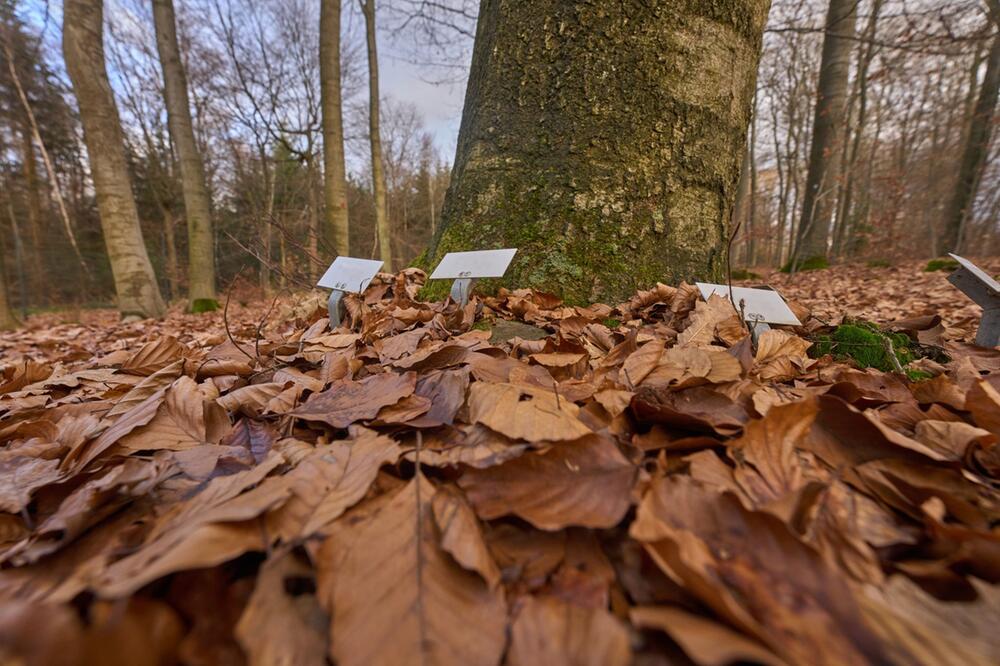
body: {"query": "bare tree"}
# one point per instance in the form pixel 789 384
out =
pixel 83 49
pixel 197 204
pixel 828 131
pixel 977 145
pixel 382 228
pixel 334 170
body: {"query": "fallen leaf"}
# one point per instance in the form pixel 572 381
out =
pixel 586 482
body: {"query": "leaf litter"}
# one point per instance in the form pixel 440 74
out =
pixel 412 488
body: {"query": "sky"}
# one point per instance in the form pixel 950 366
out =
pixel 437 93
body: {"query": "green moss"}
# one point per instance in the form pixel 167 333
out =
pixel 865 344
pixel 918 375
pixel 942 264
pixel 204 305
pixel 612 323
pixel 482 325
pixel 879 263
pixel 810 264
pixel 744 274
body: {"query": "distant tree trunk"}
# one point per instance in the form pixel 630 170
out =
pixel 33 204
pixel 604 140
pixel 338 228
pixel 868 50
pixel 7 319
pixel 828 131
pixel 197 204
pixel 382 229
pixel 752 208
pixel 974 154
pixel 742 205
pixel 83 49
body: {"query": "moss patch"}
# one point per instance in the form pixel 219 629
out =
pixel 810 264
pixel 612 323
pixel 865 344
pixel 744 274
pixel 941 264
pixel 201 305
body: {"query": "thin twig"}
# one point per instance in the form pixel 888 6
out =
pixel 225 314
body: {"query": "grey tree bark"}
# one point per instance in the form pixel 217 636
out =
pixel 382 230
pixel 604 140
pixel 197 203
pixel 83 49
pixel 828 132
pixel 974 154
pixel 335 213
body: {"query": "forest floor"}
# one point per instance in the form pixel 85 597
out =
pixel 600 485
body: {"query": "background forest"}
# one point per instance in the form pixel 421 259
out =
pixel 914 76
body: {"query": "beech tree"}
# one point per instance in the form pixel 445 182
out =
pixel 977 145
pixel 604 141
pixel 83 49
pixel 7 318
pixel 828 133
pixel 197 203
pixel 338 227
pixel 382 230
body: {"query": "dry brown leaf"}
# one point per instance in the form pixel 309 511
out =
pixel 395 596
pixel 155 356
pixel 347 402
pixel 520 412
pixel 461 535
pixel 549 631
pixel 329 481
pixel 705 641
pixel 586 482
pixel 272 612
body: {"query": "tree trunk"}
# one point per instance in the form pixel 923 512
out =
pixel 604 141
pixel 382 230
pixel 337 222
pixel 83 49
pixel 865 59
pixel 197 204
pixel 974 155
pixel 828 131
pixel 741 205
pixel 7 319
pixel 33 204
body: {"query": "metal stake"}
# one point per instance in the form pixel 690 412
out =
pixel 461 289
pixel 985 295
pixel 335 306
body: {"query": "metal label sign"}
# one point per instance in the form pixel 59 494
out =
pixel 980 274
pixel 350 274
pixel 758 304
pixel 479 264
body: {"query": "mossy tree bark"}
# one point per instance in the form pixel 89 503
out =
pixel 828 132
pixel 604 140
pixel 335 212
pixel 83 49
pixel 197 203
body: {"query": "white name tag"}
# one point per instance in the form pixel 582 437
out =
pixel 480 264
pixel 350 274
pixel 758 304
pixel 982 275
